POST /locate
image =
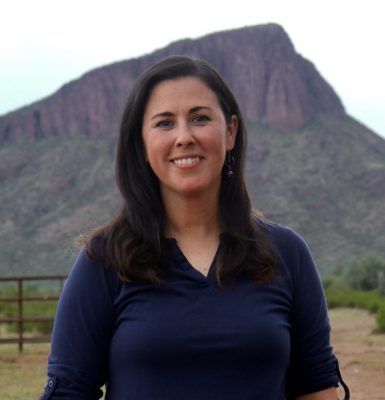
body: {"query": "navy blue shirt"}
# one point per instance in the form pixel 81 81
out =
pixel 190 339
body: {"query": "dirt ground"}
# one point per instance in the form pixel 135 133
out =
pixel 361 353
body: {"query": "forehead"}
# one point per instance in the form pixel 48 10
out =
pixel 190 91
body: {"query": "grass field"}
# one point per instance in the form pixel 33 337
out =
pixel 360 351
pixel 22 376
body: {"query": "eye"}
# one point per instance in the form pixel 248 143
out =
pixel 164 124
pixel 201 119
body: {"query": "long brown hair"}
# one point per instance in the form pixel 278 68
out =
pixel 132 241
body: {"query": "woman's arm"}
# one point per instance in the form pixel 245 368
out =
pixel 84 323
pixel 328 394
pixel 313 372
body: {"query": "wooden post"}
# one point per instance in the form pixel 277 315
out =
pixel 19 317
pixel 20 313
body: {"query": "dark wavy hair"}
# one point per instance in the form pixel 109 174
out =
pixel 132 242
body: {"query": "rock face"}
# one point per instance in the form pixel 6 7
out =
pixel 274 85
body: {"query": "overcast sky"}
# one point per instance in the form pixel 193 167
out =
pixel 46 43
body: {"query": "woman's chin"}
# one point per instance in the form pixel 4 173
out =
pixel 192 189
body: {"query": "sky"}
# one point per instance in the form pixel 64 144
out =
pixel 47 43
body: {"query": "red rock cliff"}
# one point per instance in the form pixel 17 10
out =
pixel 274 85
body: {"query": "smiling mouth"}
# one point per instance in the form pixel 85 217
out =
pixel 188 161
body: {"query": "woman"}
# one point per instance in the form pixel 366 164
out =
pixel 187 294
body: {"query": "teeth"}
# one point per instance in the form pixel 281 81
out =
pixel 186 161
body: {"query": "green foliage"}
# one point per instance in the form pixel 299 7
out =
pixel 55 189
pixel 30 309
pixel 338 295
pixel 365 274
pixel 327 282
pixel 381 283
pixel 339 270
pixel 353 298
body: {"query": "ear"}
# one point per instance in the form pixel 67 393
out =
pixel 231 132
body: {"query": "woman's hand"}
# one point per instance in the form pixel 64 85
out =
pixel 327 394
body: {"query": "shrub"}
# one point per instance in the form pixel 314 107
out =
pixel 365 274
pixel 338 296
pixel 381 283
pixel 327 282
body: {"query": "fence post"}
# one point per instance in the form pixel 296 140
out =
pixel 20 313
pixel 18 317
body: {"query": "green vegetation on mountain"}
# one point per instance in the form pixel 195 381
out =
pixel 323 180
pixel 51 191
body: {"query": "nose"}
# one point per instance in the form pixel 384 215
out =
pixel 184 135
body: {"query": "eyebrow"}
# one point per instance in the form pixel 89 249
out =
pixel 170 114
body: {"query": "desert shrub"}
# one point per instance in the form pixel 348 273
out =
pixel 327 282
pixel 381 283
pixel 353 298
pixel 365 274
pixel 339 296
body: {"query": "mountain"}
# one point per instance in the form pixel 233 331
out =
pixel 310 165
pixel 274 85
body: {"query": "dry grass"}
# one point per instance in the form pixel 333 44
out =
pixel 22 376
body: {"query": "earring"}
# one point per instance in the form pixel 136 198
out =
pixel 230 161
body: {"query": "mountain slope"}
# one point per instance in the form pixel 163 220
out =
pixel 333 195
pixel 309 164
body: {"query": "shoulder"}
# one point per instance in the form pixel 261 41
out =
pixel 90 275
pixel 292 251
pixel 283 237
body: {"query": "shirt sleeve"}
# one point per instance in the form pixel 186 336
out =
pixel 84 323
pixel 313 366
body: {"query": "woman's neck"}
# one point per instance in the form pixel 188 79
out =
pixel 192 217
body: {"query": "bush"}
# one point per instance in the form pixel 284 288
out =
pixel 365 274
pixel 381 283
pixel 327 282
pixel 339 296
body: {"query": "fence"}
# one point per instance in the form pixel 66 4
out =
pixel 20 299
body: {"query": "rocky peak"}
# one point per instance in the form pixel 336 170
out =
pixel 274 85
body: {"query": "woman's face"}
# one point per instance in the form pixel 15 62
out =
pixel 186 136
